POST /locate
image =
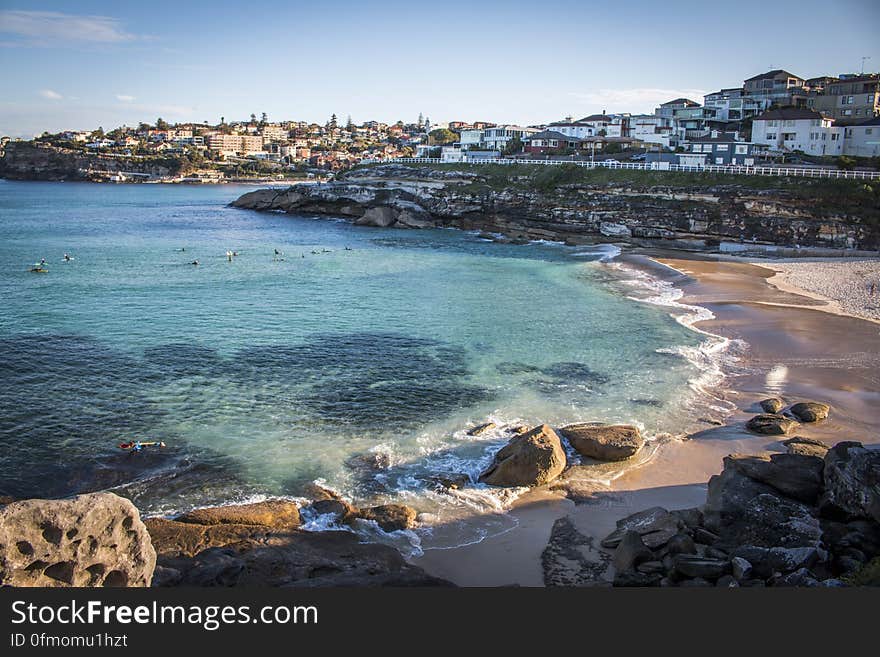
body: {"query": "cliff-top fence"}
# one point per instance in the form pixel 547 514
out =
pixel 804 172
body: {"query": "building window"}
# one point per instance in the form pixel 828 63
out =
pixel 721 147
pixel 771 135
pixel 789 136
pixel 834 137
pixel 869 131
pixel 742 150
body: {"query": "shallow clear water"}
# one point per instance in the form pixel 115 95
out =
pixel 264 374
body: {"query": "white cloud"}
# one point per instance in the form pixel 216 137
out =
pixel 635 100
pixel 51 95
pixel 124 98
pixel 50 27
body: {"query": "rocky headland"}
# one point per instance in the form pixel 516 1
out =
pixel 583 206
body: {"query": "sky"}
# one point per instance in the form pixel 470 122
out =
pixel 89 63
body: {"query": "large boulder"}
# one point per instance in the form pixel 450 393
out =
pixel 390 517
pixel 630 552
pixel 380 217
pixel 530 459
pixel 281 514
pixel 604 442
pixel 852 480
pixel 810 411
pixel 89 540
pixel 655 526
pixel 806 446
pixel 689 565
pixel 728 493
pixel 769 520
pixel 261 199
pixel 772 405
pixel 793 475
pixel 771 424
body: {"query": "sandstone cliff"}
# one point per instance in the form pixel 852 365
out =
pixel 577 205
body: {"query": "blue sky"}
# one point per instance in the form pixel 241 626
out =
pixel 77 65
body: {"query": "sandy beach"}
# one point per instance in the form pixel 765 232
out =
pixel 801 345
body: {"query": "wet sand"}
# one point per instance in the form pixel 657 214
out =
pixel 799 348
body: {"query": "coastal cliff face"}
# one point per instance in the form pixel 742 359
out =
pixel 579 206
pixel 28 161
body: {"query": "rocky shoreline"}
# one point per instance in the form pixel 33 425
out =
pixel 806 517
pixel 564 204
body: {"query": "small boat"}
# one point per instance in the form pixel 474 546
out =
pixel 137 445
pixel 39 269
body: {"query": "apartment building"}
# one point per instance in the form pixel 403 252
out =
pixel 849 99
pixel 790 129
pixel 236 144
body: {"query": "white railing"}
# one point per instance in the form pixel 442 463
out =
pixel 805 172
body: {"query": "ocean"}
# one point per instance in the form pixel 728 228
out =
pixel 357 358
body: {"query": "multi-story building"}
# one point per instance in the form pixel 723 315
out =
pixel 790 129
pixel 862 139
pixel 236 144
pixel 667 110
pixel 651 129
pixel 849 99
pixel 732 105
pixel 274 133
pixel 470 139
pixel 691 122
pixel 601 125
pixel 776 87
pixel 496 139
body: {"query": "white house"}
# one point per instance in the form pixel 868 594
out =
pixel 793 129
pixel 495 139
pixel 863 139
pixel 470 139
pixel 591 126
pixel 651 129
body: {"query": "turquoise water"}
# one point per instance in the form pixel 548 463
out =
pixel 358 365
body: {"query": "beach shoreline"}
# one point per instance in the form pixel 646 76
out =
pixel 793 351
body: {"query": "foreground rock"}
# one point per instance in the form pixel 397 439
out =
pixel 810 411
pixel 794 519
pixel 806 447
pixel 272 551
pixel 90 540
pixel 530 459
pixel 604 442
pixel 271 513
pixel 852 481
pixel 771 424
pixel 298 559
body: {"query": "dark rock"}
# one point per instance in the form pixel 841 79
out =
pixel 727 582
pixel 704 536
pixel 688 565
pixel 604 442
pixel 480 429
pixel 806 446
pixel 753 583
pixel 771 424
pixel 772 405
pixel 635 578
pixel 630 552
pixel 681 543
pixel 651 567
pixel 692 518
pixel 573 559
pixel 380 217
pixel 810 411
pixel 390 517
pixel 801 577
pixel 531 459
pixel 772 521
pixel 728 494
pixel 655 525
pixel 832 583
pixel 341 510
pixel 299 558
pixel 793 475
pixel 715 553
pixel 696 582
pixel 741 569
pixel 369 462
pixel 852 480
pixel 451 481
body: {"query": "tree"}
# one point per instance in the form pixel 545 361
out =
pixel 514 145
pixel 161 124
pixel 222 120
pixel 333 124
pixel 264 118
pixel 421 120
pixel 441 137
pixel 349 124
